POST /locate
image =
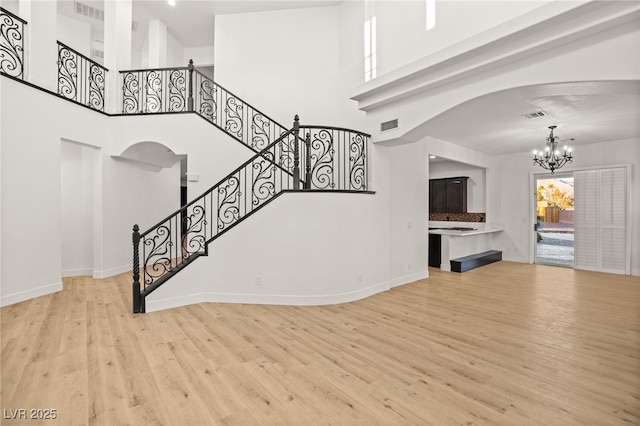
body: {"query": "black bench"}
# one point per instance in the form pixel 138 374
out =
pixel 473 261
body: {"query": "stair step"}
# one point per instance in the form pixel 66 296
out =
pixel 473 261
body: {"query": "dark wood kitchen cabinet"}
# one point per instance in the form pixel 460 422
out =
pixel 448 195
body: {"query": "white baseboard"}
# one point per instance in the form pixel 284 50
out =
pixel 111 272
pixel 265 299
pixel 407 279
pixel 76 272
pixel 21 296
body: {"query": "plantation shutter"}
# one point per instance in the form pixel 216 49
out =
pixel 585 220
pixel 613 220
pixel 600 220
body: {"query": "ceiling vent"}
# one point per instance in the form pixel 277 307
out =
pixel 534 114
pixel 389 125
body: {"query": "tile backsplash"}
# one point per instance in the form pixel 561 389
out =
pixel 458 217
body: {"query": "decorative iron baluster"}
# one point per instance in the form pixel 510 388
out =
pixel 153 92
pixel 307 161
pixel 177 88
pixel 357 163
pixel 208 106
pixel 80 79
pixel 322 167
pixel 67 73
pixel 229 194
pixel 11 44
pixel 263 186
pixel 158 259
pixel 96 87
pixel 130 93
pixel 259 131
pixel 233 125
pixel 194 237
pixel 286 159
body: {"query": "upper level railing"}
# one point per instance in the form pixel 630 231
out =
pixel 334 158
pixel 11 44
pixel 165 90
pixel 80 79
pixel 152 91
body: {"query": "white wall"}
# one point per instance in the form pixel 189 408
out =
pixel 175 53
pixel 77 163
pixel 133 196
pixel 476 184
pixel 304 249
pixel 511 185
pixel 202 56
pixel 610 50
pixel 211 154
pixel 75 34
pixel 403 38
pixel 409 210
pixel 41 51
pixel 32 185
pixel 421 92
pixel 286 63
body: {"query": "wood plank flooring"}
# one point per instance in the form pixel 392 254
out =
pixel 505 344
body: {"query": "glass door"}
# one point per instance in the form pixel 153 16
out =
pixel 554 224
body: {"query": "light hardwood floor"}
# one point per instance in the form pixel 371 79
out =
pixel 507 343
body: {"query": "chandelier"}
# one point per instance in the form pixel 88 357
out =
pixel 550 158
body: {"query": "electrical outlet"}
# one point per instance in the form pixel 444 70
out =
pixel 258 279
pixel 409 265
pixel 359 278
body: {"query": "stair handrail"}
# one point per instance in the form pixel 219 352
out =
pixel 184 235
pixel 81 79
pixel 261 128
pixel 187 89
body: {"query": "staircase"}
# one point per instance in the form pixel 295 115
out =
pixel 303 158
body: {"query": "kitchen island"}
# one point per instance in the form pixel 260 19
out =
pixel 459 240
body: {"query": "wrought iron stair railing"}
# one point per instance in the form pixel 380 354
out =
pixel 11 44
pixel 81 79
pixel 186 89
pixel 326 159
pixel 179 239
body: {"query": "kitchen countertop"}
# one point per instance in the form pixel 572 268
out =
pixel 461 231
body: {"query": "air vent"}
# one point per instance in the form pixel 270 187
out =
pixel 535 114
pixel 90 11
pixel 389 125
pixel 95 53
pixel 95 13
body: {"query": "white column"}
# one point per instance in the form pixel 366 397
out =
pixel 41 58
pixel 117 47
pixel 157 44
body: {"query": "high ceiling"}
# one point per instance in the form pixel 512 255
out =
pixel 191 21
pixel 493 124
pixel 586 112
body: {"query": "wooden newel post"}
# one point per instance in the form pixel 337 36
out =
pixel 137 296
pixel 190 98
pixel 307 171
pixel 296 152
